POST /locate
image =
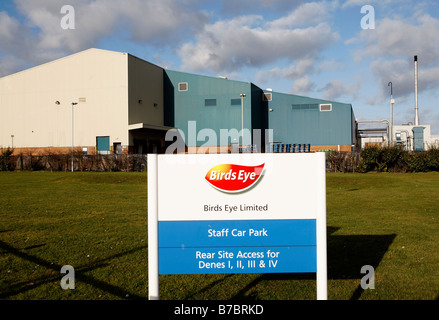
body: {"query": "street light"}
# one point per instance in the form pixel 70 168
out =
pixel 73 104
pixel 242 95
pixel 392 101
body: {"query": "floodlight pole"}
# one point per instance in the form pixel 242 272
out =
pixel 243 95
pixel 73 130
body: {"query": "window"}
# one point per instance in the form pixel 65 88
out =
pixel 182 86
pixel 235 102
pixel 305 107
pixel 326 107
pixel 210 102
pixel 267 97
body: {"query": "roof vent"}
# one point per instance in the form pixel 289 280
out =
pixel 326 107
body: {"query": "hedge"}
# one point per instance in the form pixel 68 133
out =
pixel 370 159
pixel 396 159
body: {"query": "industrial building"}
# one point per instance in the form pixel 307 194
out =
pixel 101 101
pixel 409 136
pixel 320 123
pixel 96 100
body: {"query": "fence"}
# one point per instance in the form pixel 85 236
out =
pixel 281 148
pixel 63 162
pixel 338 161
pixel 335 162
pixel 380 159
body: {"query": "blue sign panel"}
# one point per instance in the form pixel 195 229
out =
pixel 237 246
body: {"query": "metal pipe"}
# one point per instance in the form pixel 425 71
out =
pixel 407 138
pixel 378 121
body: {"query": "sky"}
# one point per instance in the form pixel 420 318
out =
pixel 341 50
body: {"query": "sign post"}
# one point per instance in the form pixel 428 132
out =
pixel 153 252
pixel 237 213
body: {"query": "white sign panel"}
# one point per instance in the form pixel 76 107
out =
pixel 237 213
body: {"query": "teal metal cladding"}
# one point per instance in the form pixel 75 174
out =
pixel 299 120
pixel 213 103
pixel 418 138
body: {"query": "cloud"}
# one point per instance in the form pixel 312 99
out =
pixel 389 51
pixel 16 44
pixel 162 20
pixel 401 74
pixel 336 89
pixel 303 85
pixel 402 38
pixel 233 8
pixel 36 36
pixel 381 3
pixel 11 33
pixel 249 41
pixel 298 72
pixel 144 20
pixel 307 14
pixel 301 68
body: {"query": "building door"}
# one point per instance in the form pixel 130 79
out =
pixel 103 145
pixel 117 147
pixel 154 146
pixel 140 146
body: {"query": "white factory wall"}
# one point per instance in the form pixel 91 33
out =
pixel 96 79
pixel 406 133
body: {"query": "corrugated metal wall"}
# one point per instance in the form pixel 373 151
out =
pixel 297 119
pixel 215 103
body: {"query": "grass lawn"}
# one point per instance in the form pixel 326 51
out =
pixel 97 223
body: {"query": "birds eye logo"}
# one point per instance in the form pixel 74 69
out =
pixel 232 178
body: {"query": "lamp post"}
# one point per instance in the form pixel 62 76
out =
pixel 242 95
pixel 73 130
pixel 392 101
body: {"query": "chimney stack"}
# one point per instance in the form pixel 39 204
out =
pixel 416 92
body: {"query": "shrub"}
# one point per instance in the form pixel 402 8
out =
pixel 423 161
pixel 5 160
pixel 382 159
pixel 396 159
pixel 433 159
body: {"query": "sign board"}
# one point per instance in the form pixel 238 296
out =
pixel 237 213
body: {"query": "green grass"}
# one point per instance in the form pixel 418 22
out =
pixel 94 222
pixel 97 223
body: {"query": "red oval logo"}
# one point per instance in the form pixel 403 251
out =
pixel 234 178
